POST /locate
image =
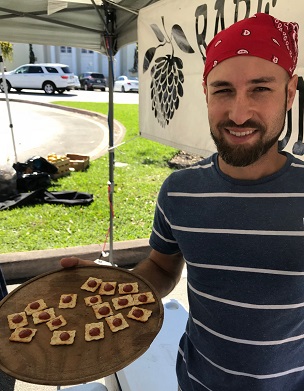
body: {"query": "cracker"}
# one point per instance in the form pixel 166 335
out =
pixel 16 320
pixel 127 288
pixel 107 288
pixel 143 298
pixel 114 327
pixel 56 323
pixel 122 302
pixel 34 306
pixel 23 334
pixel 63 337
pixel 68 300
pixel 92 300
pixel 102 310
pixel 94 331
pixel 91 284
pixel 43 316
pixel 139 314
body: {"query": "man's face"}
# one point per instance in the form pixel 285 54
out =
pixel 247 100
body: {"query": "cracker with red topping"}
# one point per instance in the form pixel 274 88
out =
pixel 107 288
pixel 43 316
pixel 94 331
pixel 122 302
pixel 117 322
pixel 143 298
pixel 63 337
pixel 92 300
pixel 139 314
pixel 34 306
pixel 91 284
pixel 56 323
pixel 16 320
pixel 127 288
pixel 102 310
pixel 23 334
pixel 68 300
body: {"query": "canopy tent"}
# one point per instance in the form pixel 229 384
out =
pixel 100 25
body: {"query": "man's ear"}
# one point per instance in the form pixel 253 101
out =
pixel 292 89
pixel 205 91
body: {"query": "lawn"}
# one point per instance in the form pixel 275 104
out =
pixel 47 226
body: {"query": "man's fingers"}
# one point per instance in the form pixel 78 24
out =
pixel 74 261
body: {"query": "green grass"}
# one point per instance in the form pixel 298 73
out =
pixel 47 226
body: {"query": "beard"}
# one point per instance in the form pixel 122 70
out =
pixel 245 155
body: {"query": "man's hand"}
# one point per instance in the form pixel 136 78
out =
pixel 74 261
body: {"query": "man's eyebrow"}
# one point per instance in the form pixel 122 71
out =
pixel 260 80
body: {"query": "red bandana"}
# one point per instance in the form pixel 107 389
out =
pixel 261 36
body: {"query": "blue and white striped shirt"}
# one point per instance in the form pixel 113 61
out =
pixel 243 243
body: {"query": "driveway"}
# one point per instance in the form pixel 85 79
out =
pixel 36 127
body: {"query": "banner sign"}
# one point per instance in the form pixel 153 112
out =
pixel 172 40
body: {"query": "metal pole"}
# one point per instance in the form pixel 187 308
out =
pixel 7 103
pixel 110 15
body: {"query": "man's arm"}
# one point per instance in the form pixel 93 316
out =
pixel 161 270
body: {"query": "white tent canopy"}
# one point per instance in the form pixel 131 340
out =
pixel 81 23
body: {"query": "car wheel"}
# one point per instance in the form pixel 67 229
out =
pixel 7 84
pixel 86 87
pixel 49 87
pixel 61 90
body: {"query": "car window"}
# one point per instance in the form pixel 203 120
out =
pixel 51 70
pixel 97 75
pixel 35 69
pixel 66 70
pixel 23 70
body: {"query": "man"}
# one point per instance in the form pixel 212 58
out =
pixel 236 219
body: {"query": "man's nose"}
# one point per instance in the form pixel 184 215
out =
pixel 241 109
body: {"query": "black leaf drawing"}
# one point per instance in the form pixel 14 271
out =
pixel 148 58
pixel 181 40
pixel 160 36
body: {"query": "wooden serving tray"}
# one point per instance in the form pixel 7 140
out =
pixel 41 363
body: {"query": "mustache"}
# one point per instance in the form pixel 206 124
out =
pixel 247 124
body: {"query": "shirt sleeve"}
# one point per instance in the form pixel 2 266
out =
pixel 162 238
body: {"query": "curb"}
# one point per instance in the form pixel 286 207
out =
pixel 25 265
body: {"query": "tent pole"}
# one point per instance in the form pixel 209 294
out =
pixel 7 103
pixel 110 23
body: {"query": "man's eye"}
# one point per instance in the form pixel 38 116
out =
pixel 261 89
pixel 222 91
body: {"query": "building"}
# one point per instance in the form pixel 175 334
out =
pixel 79 60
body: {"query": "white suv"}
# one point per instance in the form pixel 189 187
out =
pixel 47 77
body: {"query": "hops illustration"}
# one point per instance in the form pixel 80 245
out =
pixel 166 87
pixel 167 77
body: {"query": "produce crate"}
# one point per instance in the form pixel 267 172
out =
pixel 78 162
pixel 62 163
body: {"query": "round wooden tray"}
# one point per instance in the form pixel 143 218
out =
pixel 41 363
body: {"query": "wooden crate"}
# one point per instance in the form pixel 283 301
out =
pixel 62 163
pixel 78 162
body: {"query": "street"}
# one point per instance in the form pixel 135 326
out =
pixel 73 96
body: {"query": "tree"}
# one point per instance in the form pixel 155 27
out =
pixel 32 54
pixel 7 50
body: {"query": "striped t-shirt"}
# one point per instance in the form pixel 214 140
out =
pixel 243 243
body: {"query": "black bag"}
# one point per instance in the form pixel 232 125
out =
pixel 68 198
pixel 32 182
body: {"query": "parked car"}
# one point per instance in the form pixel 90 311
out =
pixel 77 85
pixel 126 84
pixel 47 77
pixel 92 80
